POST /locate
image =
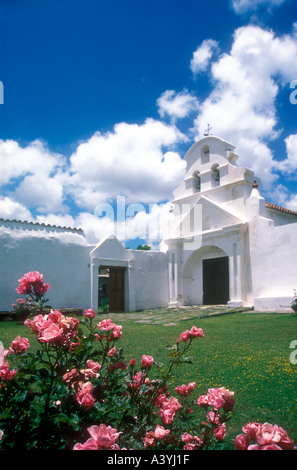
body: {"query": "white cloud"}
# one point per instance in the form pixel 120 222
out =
pixel 281 196
pixel 12 210
pixel 289 164
pixel 134 160
pixel 241 107
pixel 17 161
pixel 176 105
pixel 292 202
pixel 202 55
pixel 137 161
pixel 41 192
pixel 243 6
pixel 36 173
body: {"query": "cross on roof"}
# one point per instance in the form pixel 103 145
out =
pixel 207 131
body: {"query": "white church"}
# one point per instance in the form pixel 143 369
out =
pixel 224 245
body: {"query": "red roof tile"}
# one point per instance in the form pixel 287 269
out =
pixel 279 208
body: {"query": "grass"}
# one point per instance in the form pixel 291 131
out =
pixel 247 353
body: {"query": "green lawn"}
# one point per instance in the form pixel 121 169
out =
pixel 247 353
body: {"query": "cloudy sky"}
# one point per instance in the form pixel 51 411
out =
pixel 103 99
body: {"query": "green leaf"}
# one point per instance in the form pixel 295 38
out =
pixel 44 373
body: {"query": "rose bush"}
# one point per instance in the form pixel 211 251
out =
pixel 77 391
pixel 32 285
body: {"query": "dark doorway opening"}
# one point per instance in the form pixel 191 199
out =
pixel 111 289
pixel 216 281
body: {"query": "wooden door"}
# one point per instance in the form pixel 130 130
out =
pixel 116 289
pixel 216 281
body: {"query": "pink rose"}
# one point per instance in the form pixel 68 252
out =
pixel 193 333
pixel 90 444
pixel 112 352
pixel 85 399
pixel 271 447
pixel 32 280
pixel 69 376
pixel 162 398
pixel 220 432
pixel 95 366
pixel 6 373
pixel 189 446
pixel 149 440
pixel 186 437
pixel 89 313
pixel 251 429
pixel 68 323
pixel 40 288
pixel 286 443
pixel 218 398
pixel 203 401
pixel 116 333
pixel 241 442
pixel 161 433
pixel 185 390
pixel 39 323
pixel 23 288
pixel 267 437
pixel 52 334
pixel 54 316
pixel 267 434
pixel 84 396
pixel 91 370
pixel 108 326
pixel 185 335
pixel 168 410
pixel 105 436
pixel 192 442
pixel 167 414
pixel 147 361
pixel 19 345
pixel 196 332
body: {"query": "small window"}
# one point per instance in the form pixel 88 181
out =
pixel 205 154
pixel 215 176
pixel 196 182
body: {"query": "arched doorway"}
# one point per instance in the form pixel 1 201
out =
pixel 206 277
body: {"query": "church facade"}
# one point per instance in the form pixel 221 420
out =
pixel 234 247
pixel 224 244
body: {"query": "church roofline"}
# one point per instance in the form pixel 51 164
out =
pixel 40 224
pixel 205 139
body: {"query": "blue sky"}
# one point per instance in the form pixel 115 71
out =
pixel 102 99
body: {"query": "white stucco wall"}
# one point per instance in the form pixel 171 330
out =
pixel 62 258
pixel 273 259
pixel 150 279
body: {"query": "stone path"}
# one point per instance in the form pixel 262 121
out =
pixel 171 316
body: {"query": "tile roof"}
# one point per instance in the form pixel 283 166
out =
pixel 279 208
pixel 42 225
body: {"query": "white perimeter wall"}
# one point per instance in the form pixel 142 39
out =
pixel 150 279
pixel 62 258
pixel 274 264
